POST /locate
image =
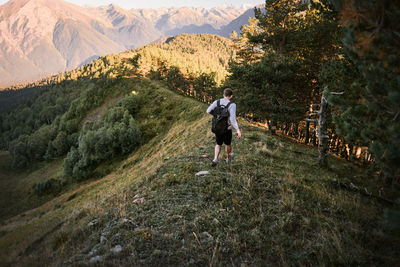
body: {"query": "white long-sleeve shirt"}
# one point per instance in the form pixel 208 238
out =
pixel 231 109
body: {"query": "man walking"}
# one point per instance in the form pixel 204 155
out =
pixel 218 109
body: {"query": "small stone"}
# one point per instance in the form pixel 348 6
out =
pixel 202 173
pixel 94 222
pixel 206 235
pixel 93 252
pixel 139 200
pixel 103 239
pixel 127 221
pixel 95 259
pixel 353 186
pixel 156 252
pixel 117 249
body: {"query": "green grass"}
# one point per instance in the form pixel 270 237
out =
pixel 264 209
pixel 273 205
pixel 19 185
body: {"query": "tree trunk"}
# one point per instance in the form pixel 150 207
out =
pixel 271 126
pixel 322 131
pixel 350 151
pixel 315 135
pixel 307 140
pixel 296 130
pixel 337 149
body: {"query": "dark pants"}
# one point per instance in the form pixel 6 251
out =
pixel 224 138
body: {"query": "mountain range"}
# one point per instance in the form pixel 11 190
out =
pixel 43 37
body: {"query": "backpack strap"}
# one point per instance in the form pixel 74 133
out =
pixel 219 104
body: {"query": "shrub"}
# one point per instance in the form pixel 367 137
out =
pixel 117 134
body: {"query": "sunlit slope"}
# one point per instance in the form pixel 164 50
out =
pixel 45 127
pixel 192 54
pixel 172 119
pixel 273 205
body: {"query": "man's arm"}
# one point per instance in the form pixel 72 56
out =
pixel 211 107
pixel 232 116
pixel 232 119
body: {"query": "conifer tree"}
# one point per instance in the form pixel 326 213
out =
pixel 296 37
pixel 270 89
pixel 369 111
pixel 246 50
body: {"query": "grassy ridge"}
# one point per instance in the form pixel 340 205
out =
pixel 19 233
pixel 272 206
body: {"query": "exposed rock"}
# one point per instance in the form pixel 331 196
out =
pixel 139 200
pixel 117 249
pixel 95 259
pixel 206 235
pixel 202 173
pixel 93 252
pixel 94 222
pixel 127 221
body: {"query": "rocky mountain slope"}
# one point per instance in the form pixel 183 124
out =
pixel 43 37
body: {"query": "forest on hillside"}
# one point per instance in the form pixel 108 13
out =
pixel 293 54
pixel 53 122
pixel 299 63
pixel 288 58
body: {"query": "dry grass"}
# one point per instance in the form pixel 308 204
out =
pixel 272 206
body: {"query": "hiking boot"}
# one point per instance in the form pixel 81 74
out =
pixel 214 163
pixel 230 158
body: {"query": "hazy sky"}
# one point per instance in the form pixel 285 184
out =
pixel 161 3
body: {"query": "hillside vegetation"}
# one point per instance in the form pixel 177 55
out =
pixel 58 35
pixel 192 55
pixel 53 116
pixel 272 205
pixel 79 124
pixel 109 164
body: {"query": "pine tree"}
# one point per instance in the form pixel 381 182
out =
pixel 369 110
pixel 270 89
pixel 246 50
pixel 295 38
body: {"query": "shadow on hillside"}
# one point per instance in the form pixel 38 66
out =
pixel 41 151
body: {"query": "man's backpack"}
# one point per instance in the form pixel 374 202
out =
pixel 220 118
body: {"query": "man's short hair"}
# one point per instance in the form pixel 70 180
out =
pixel 228 92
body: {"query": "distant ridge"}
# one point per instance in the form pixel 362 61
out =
pixel 236 23
pixel 39 38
